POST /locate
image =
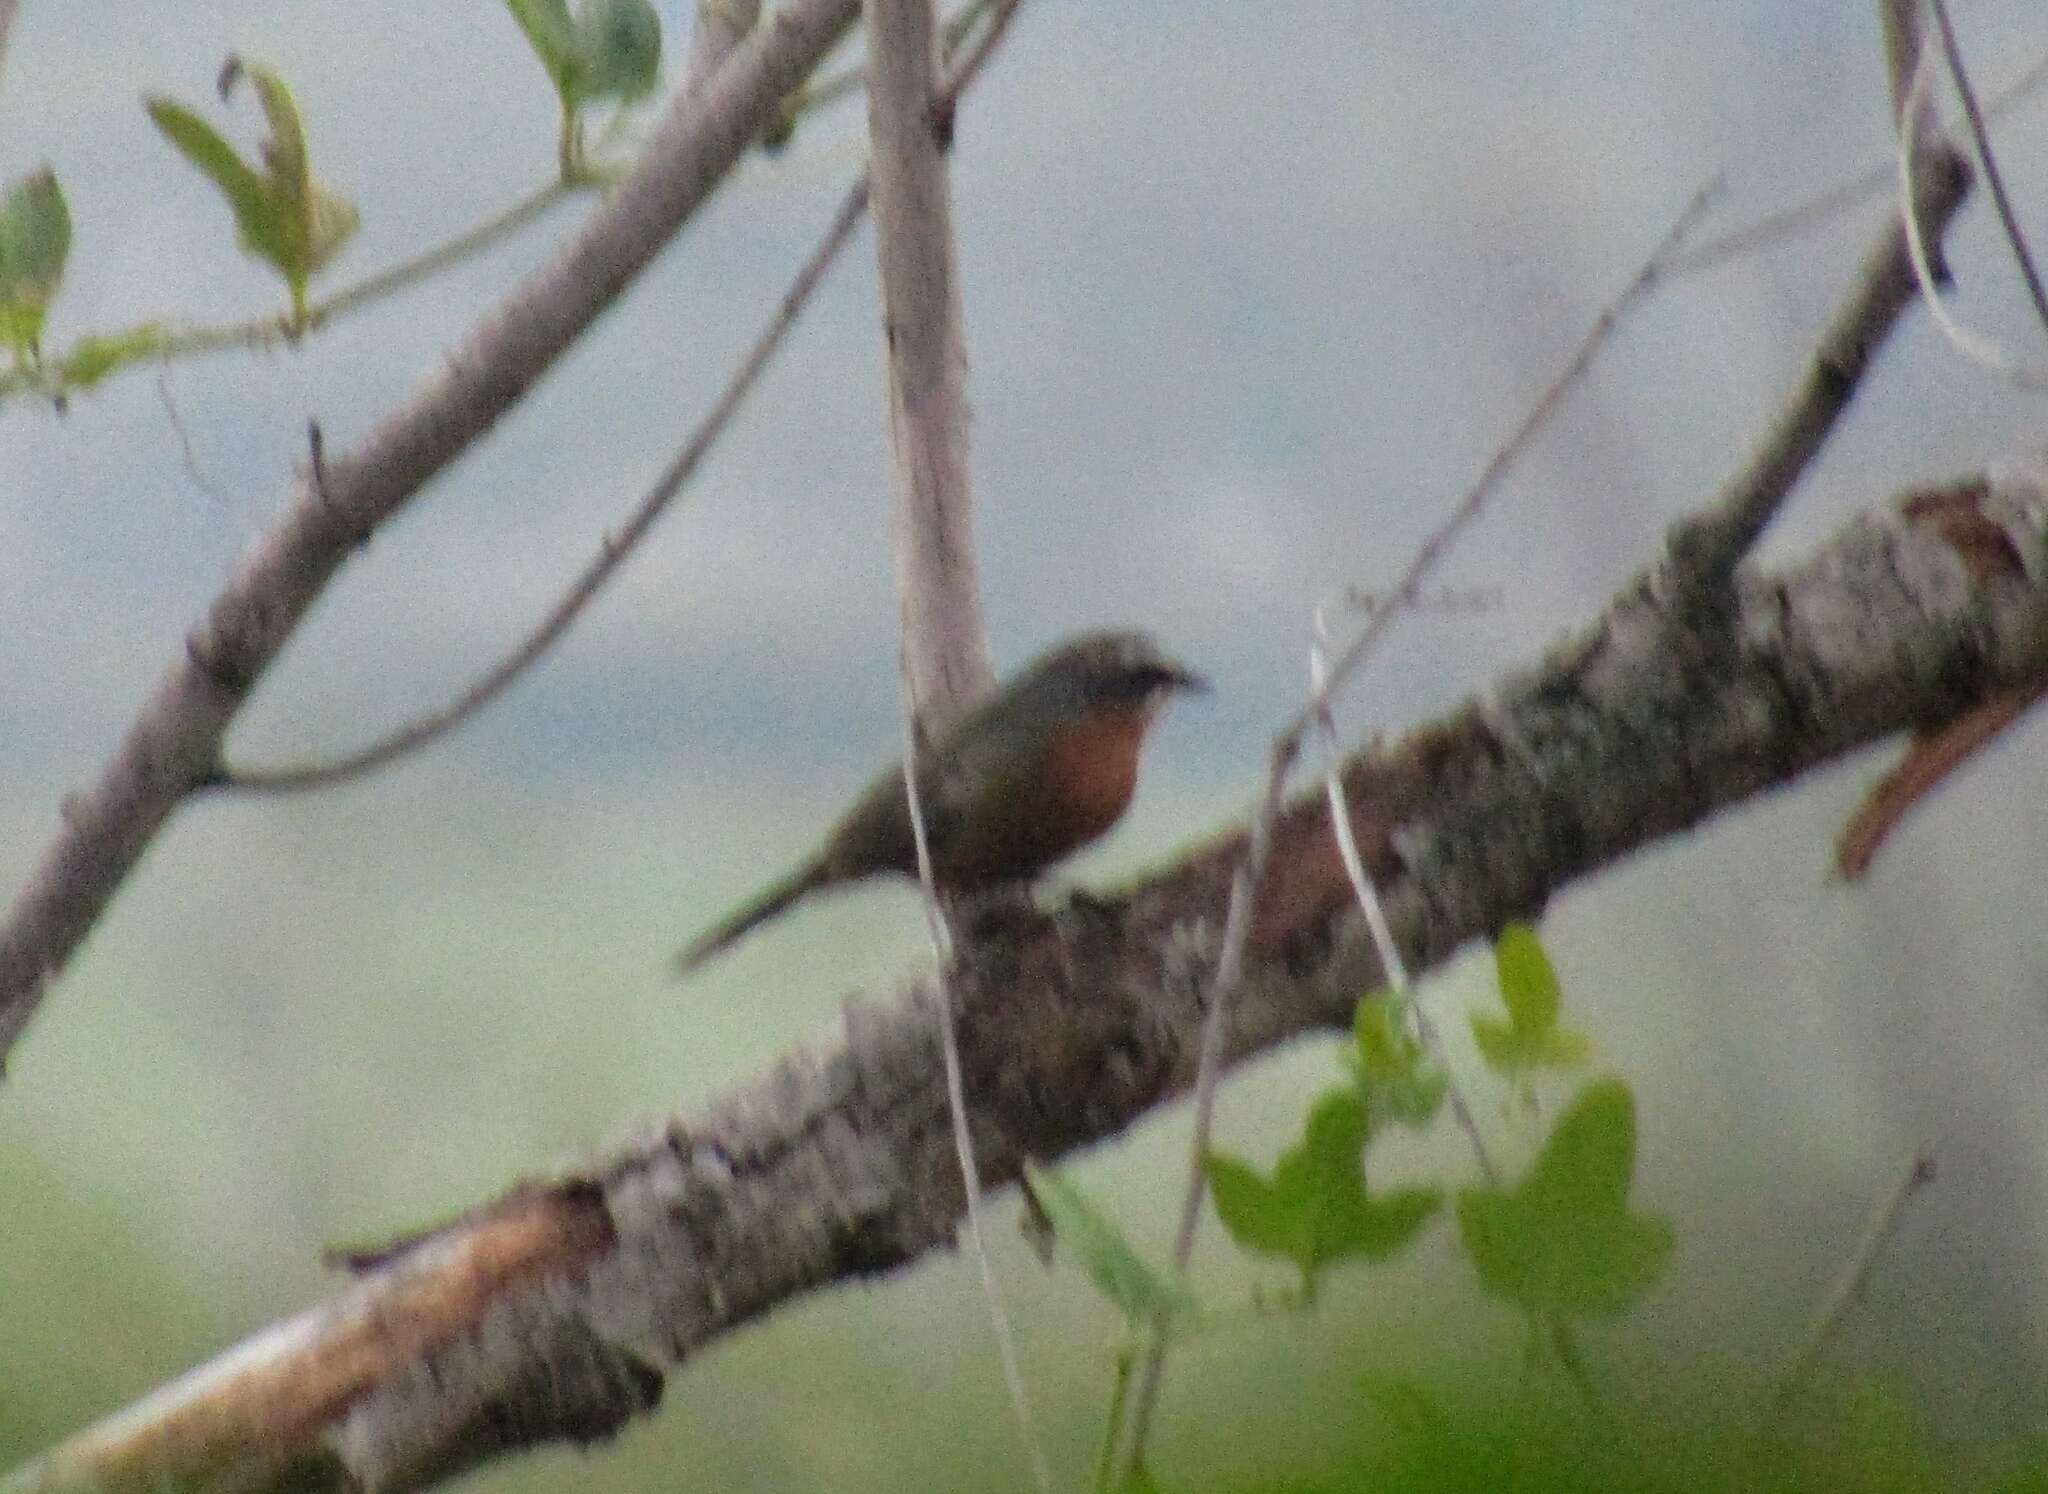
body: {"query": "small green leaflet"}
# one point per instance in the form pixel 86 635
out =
pixel 1394 1074
pixel 1314 1209
pixel 1562 1241
pixel 284 216
pixel 612 49
pixel 1140 1292
pixel 35 240
pixel 1530 1039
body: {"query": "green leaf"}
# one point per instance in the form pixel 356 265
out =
pixel 552 35
pixel 257 213
pixel 1562 1241
pixel 1528 981
pixel 284 215
pixel 1530 1039
pixel 619 44
pixel 1314 1209
pixel 1140 1292
pixel 93 358
pixel 35 241
pixel 284 151
pixel 612 49
pixel 318 221
pixel 1393 1072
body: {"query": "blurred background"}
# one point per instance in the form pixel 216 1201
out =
pixel 1252 293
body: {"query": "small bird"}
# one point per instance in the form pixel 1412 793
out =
pixel 1044 765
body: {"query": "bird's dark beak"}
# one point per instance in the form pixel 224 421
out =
pixel 1179 677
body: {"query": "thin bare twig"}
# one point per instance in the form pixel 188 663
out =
pixel 1229 973
pixel 465 245
pixel 188 457
pixel 1433 548
pixel 612 553
pixel 1391 960
pixel 940 930
pixel 1877 182
pixel 173 744
pixel 1993 177
pixel 1703 548
pixel 1389 952
pixel 1977 349
pixel 944 660
pixel 280 329
pixel 1287 747
pixel 1855 1273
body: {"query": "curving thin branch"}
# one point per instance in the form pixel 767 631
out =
pixel 611 553
pixel 1245 887
pixel 614 550
pixel 1877 182
pixel 173 745
pixel 1704 547
pixel 1994 179
pixel 1367 896
pixel 1885 1215
pixel 1930 272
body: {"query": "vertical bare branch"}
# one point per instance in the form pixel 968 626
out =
pixel 945 643
pixel 937 575
pixel 1904 40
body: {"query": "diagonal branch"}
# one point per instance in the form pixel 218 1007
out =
pixel 174 743
pixel 556 1312
pixel 621 543
pixel 611 553
pixel 1705 547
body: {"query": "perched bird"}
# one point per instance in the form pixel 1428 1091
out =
pixel 1034 772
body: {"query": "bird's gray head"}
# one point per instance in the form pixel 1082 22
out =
pixel 1118 667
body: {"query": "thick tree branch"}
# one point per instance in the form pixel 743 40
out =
pixel 1705 547
pixel 173 746
pixel 555 1312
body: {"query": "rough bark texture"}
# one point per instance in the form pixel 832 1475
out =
pixel 554 1313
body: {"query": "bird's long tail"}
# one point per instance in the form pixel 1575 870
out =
pixel 804 880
